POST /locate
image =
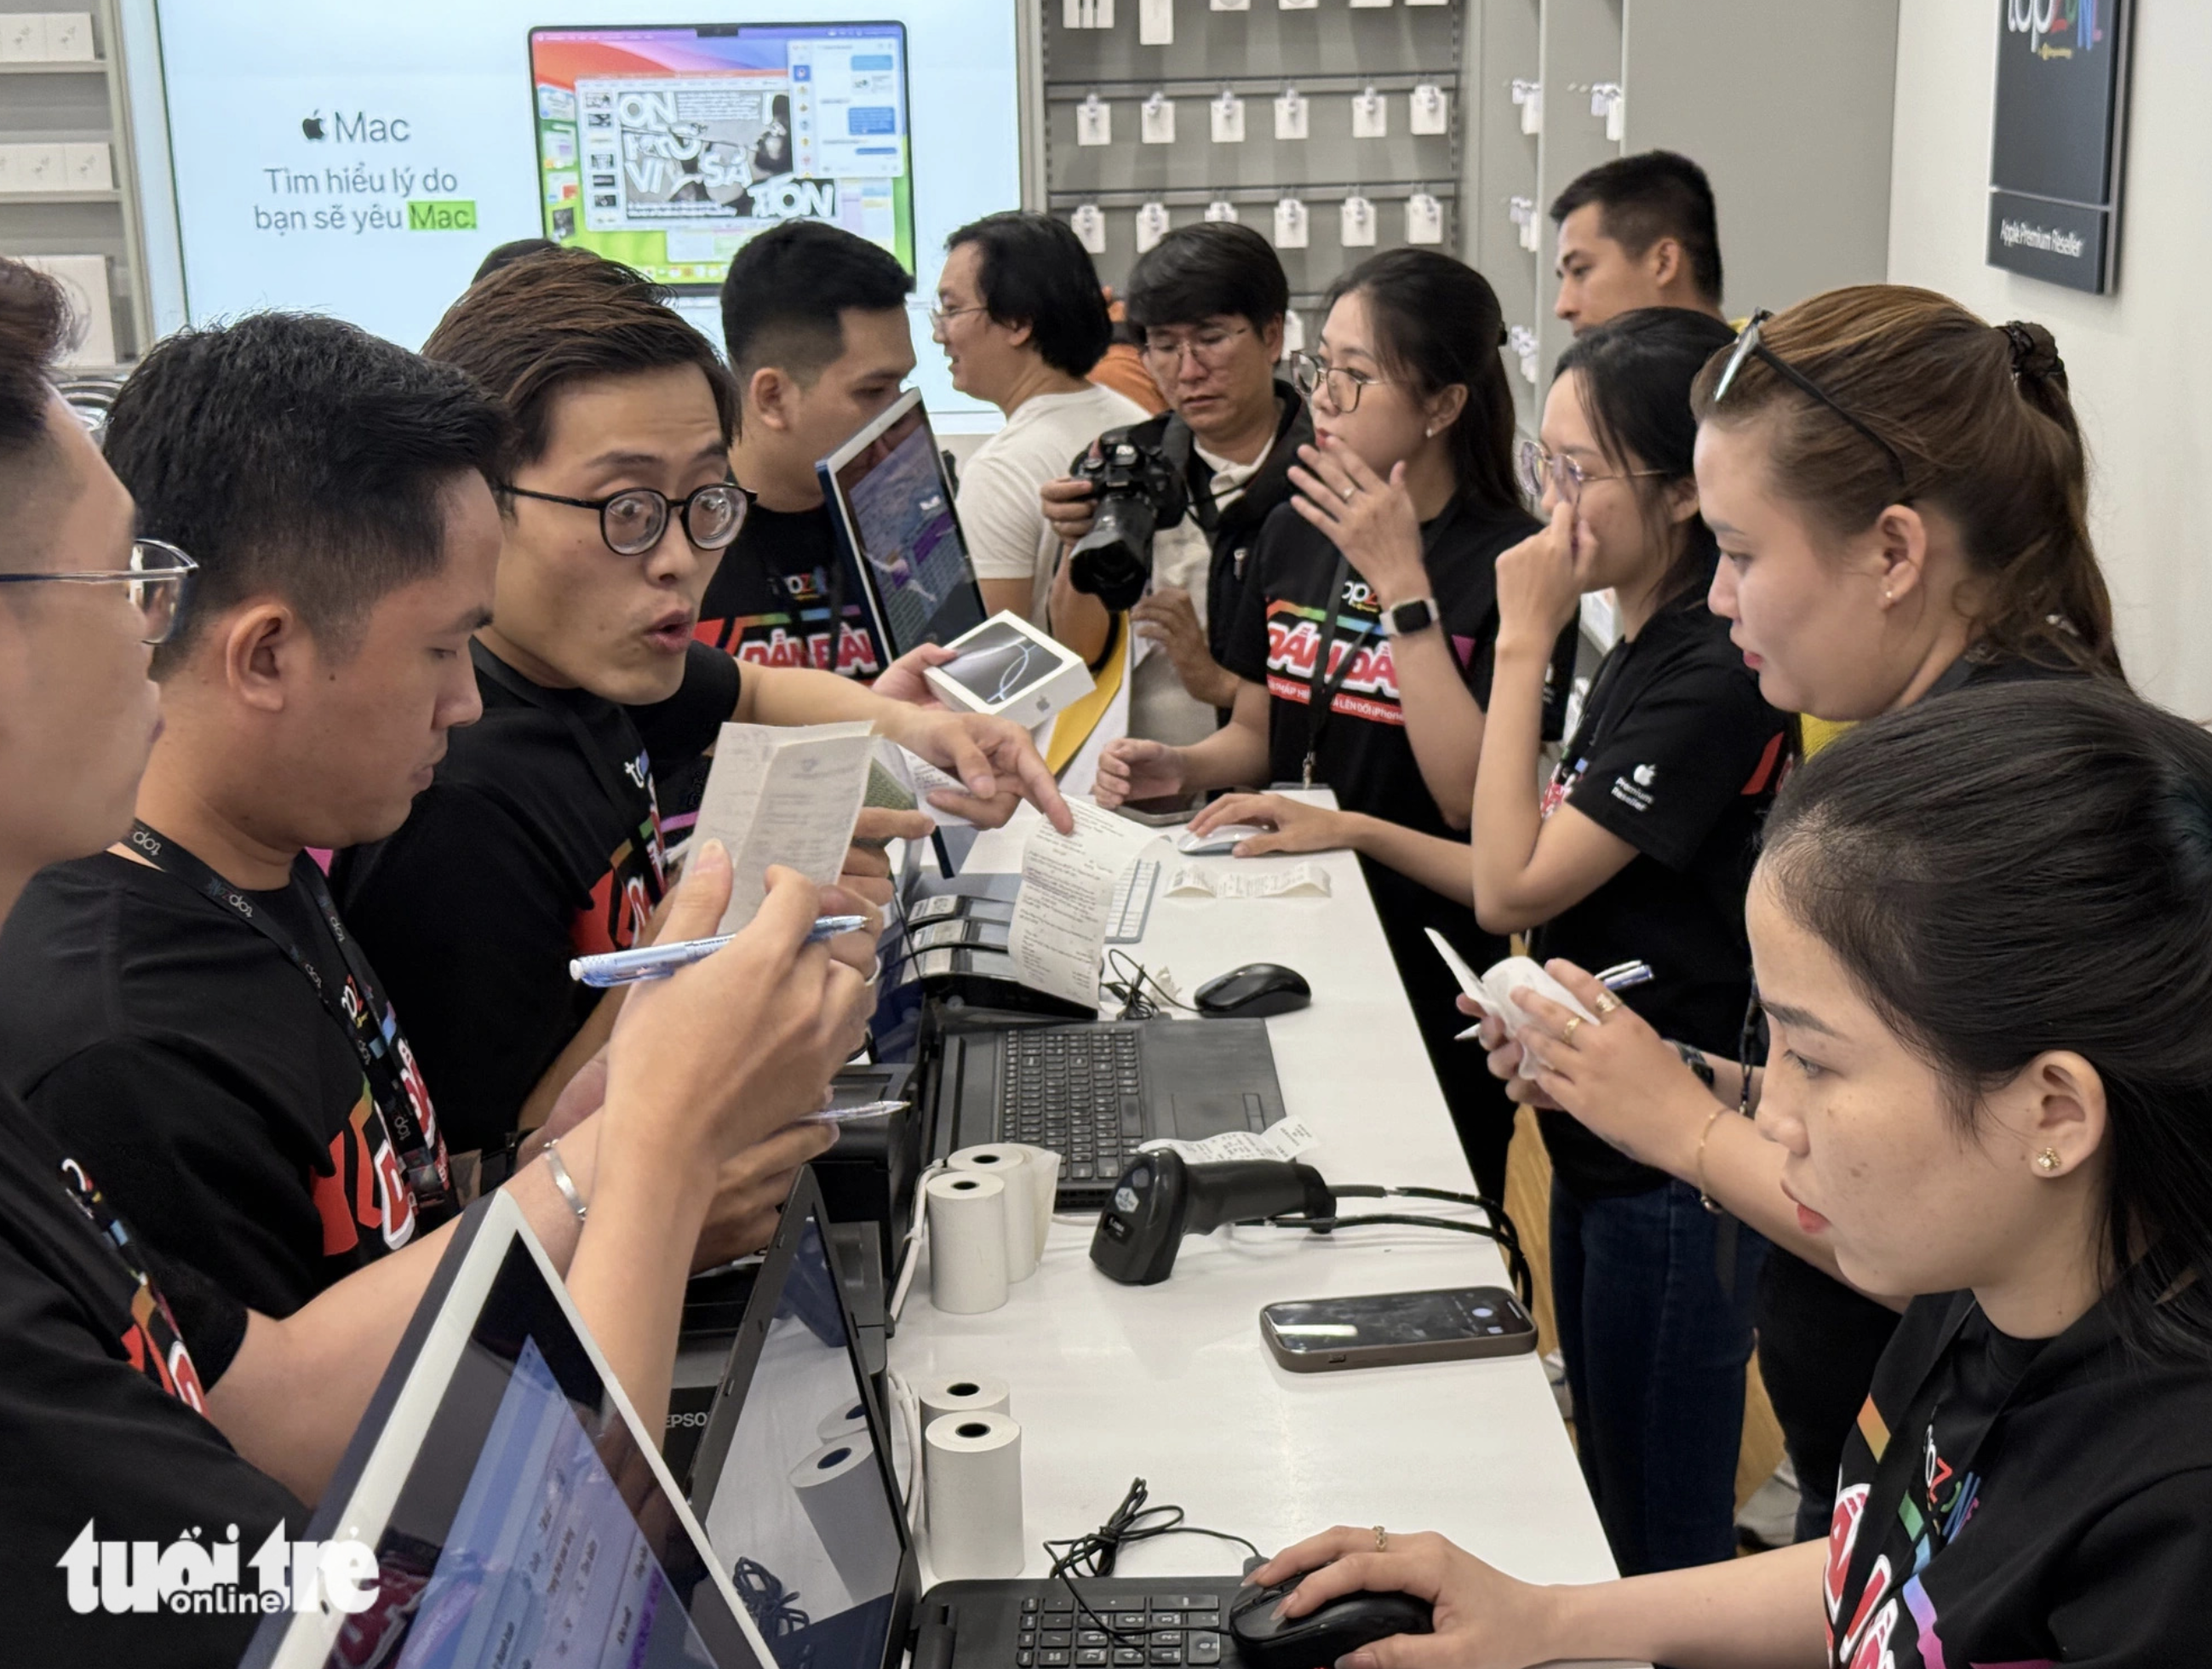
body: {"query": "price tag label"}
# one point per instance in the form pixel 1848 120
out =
pixel 1155 120
pixel 1290 224
pixel 1156 23
pixel 1094 122
pixel 1291 114
pixel 1425 219
pixel 1355 224
pixel 1431 110
pixel 1228 121
pixel 1371 115
pixel 1529 95
pixel 1298 5
pixel 1221 209
pixel 1294 335
pixel 1232 5
pixel 1090 223
pixel 1151 226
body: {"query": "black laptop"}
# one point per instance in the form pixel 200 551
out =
pixel 796 1486
pixel 1092 1091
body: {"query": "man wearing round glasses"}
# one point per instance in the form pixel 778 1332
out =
pixel 541 838
pixel 1209 303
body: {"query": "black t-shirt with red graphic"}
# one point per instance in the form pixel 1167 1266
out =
pixel 771 604
pixel 2022 1502
pixel 180 1055
pixel 110 1350
pixel 538 841
pixel 1678 754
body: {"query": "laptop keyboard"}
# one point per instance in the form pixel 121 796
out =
pixel 1149 1631
pixel 1077 1091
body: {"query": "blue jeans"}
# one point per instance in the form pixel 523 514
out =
pixel 1655 1352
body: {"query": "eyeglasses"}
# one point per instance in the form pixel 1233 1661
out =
pixel 1537 467
pixel 158 576
pixel 632 522
pixel 939 316
pixel 1748 346
pixel 1207 348
pixel 1345 385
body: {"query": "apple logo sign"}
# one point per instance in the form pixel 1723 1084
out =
pixel 313 125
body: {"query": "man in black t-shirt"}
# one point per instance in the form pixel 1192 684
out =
pixel 127 1377
pixel 540 837
pixel 186 1011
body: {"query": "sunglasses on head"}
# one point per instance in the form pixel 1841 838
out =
pixel 1749 346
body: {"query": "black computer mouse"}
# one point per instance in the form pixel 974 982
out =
pixel 1252 992
pixel 1317 1640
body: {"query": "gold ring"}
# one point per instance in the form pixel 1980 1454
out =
pixel 1606 1003
pixel 1567 1036
pixel 1381 1540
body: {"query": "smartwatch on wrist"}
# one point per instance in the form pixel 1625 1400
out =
pixel 1418 615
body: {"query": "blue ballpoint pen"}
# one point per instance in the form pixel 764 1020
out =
pixel 627 967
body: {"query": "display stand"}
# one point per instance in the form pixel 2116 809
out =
pixel 70 112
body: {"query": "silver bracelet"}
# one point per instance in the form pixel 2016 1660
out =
pixel 558 1168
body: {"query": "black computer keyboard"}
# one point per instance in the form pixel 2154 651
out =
pixel 1143 1630
pixel 1076 1090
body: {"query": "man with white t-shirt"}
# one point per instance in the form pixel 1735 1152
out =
pixel 1022 320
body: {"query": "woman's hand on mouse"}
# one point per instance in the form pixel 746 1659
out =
pixel 1484 1619
pixel 1294 826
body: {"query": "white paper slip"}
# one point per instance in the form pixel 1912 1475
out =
pixel 1425 219
pixel 1155 120
pixel 1355 224
pixel 1371 115
pixel 1431 110
pixel 1094 122
pixel 920 779
pixel 1156 23
pixel 1289 233
pixel 1284 1141
pixel 1496 991
pixel 1300 880
pixel 1228 119
pixel 1059 930
pixel 1089 221
pixel 1291 114
pixel 1151 226
pixel 787 796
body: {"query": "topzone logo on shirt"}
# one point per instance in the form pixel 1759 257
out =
pixel 189 1578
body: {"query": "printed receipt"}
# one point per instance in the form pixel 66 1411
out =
pixel 1059 930
pixel 1284 1141
pixel 782 796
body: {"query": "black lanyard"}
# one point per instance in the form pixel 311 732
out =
pixel 421 1154
pixel 1321 692
pixel 610 777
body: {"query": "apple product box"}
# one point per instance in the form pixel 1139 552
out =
pixel 68 37
pixel 1008 668
pixel 23 37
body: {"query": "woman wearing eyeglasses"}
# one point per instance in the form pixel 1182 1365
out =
pixel 1386 556
pixel 1982 930
pixel 1899 494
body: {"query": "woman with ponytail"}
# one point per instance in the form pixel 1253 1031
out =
pixel 1899 495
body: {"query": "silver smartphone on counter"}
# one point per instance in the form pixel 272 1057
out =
pixel 1320 1335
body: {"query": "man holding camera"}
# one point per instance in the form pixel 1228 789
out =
pixel 1209 301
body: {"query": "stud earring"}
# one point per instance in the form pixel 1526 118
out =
pixel 2048 1161
pixel 1886 597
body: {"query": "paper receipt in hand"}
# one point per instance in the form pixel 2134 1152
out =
pixel 1497 990
pixel 1059 929
pixel 787 796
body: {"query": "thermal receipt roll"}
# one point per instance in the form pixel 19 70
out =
pixel 1009 1161
pixel 967 1242
pixel 974 1395
pixel 843 1421
pixel 842 1491
pixel 973 1480
pixel 1043 1172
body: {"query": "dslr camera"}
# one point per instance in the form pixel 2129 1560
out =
pixel 1138 490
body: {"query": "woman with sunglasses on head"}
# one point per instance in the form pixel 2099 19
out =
pixel 1899 496
pixel 1989 974
pixel 1386 555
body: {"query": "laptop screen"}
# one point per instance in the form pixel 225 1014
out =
pixel 802 1513
pixel 524 1523
pixel 897 512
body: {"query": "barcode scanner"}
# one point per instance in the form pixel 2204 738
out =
pixel 1159 1197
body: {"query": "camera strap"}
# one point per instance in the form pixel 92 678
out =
pixel 420 1153
pixel 1321 694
